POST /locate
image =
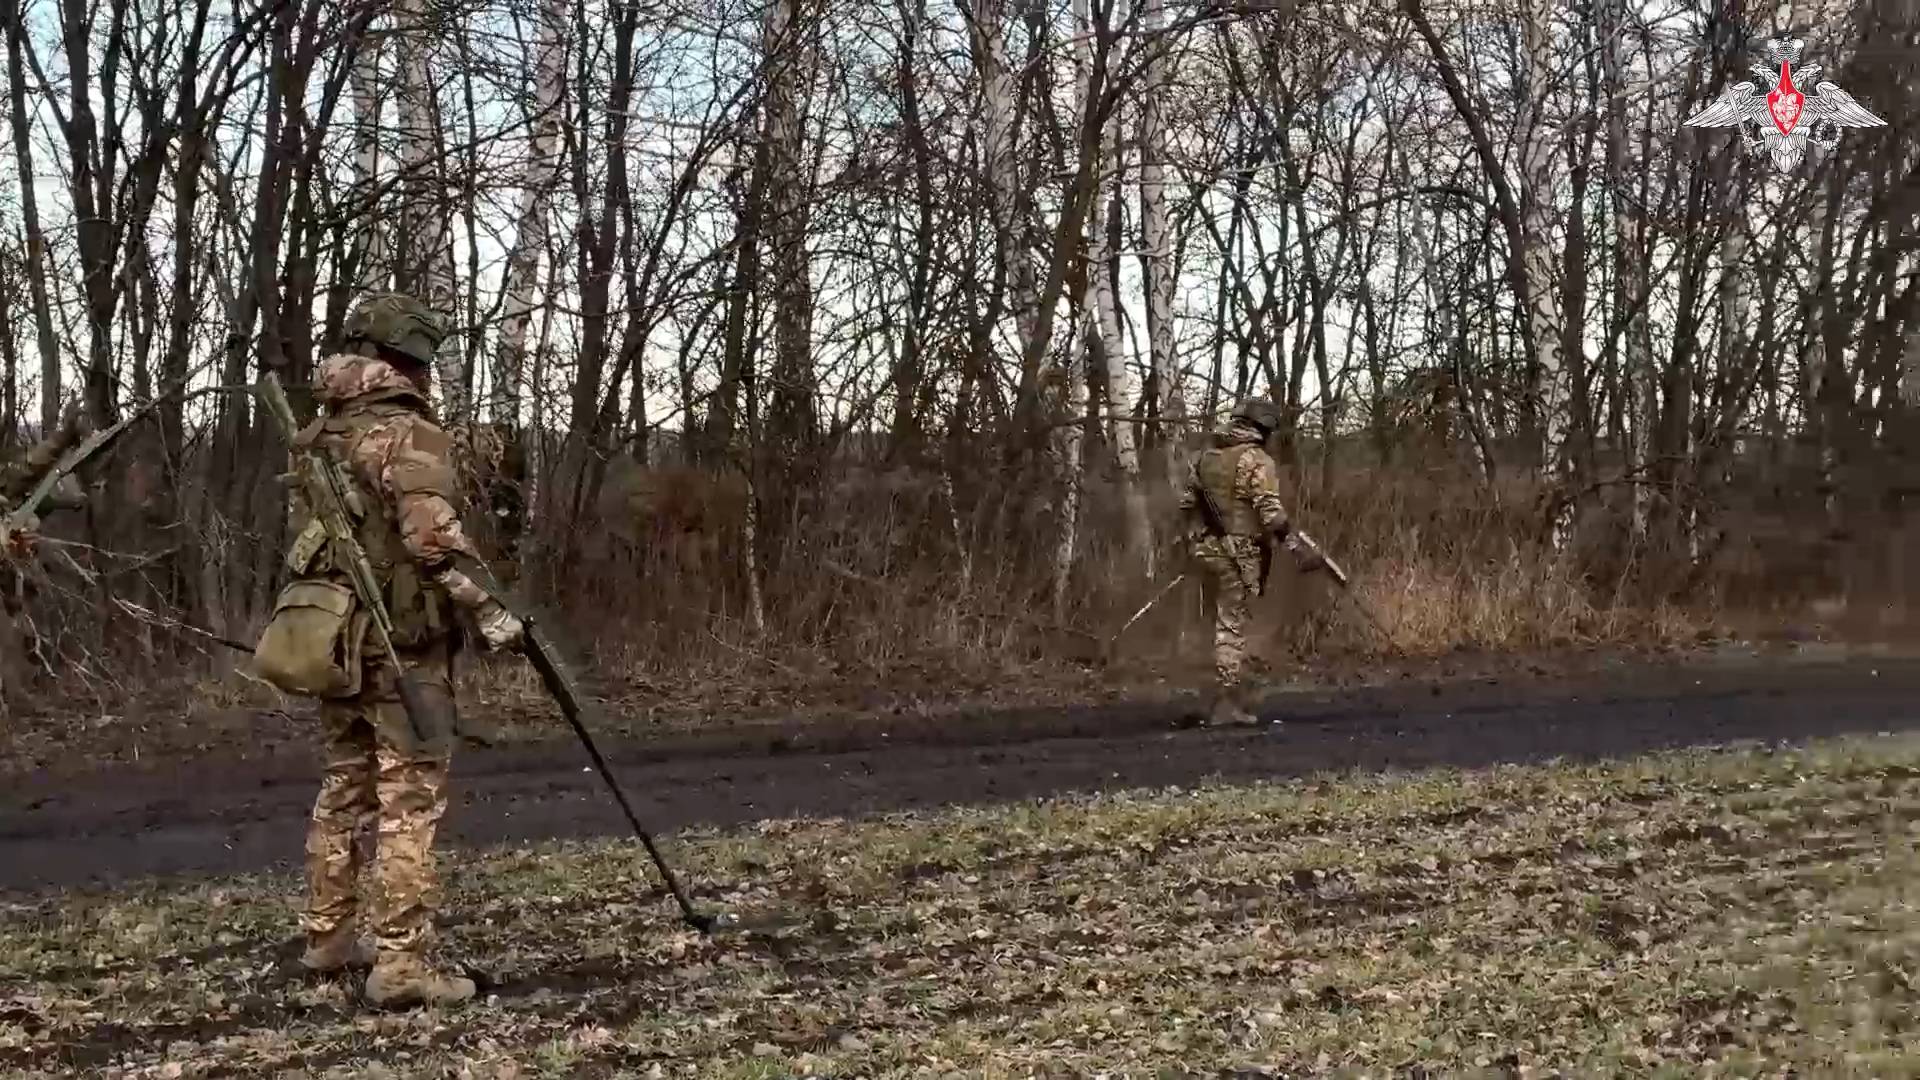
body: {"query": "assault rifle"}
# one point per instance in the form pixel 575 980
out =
pixel 1216 521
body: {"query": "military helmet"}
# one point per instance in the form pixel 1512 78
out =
pixel 399 323
pixel 1259 412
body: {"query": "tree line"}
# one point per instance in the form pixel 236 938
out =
pixel 715 262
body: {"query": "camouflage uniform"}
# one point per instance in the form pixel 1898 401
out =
pixel 1245 486
pixel 378 773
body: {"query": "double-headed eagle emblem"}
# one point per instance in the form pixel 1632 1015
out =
pixel 1783 118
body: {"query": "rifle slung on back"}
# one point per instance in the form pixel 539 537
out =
pixel 336 505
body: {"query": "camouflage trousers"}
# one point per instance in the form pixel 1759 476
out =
pixel 382 780
pixel 1230 578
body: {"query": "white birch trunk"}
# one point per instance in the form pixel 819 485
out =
pixel 1735 305
pixel 1910 370
pixel 530 216
pixel 1628 271
pixel 1537 210
pixel 1069 453
pixel 1068 435
pixel 1815 363
pixel 370 238
pixel 998 104
pixel 534 443
pixel 1158 240
pixel 429 231
pixel 791 52
pixel 20 125
pixel 750 554
pixel 1646 397
pixel 1638 363
pixel 963 552
pixel 1123 390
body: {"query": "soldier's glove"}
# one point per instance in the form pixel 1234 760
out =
pixel 1306 554
pixel 499 628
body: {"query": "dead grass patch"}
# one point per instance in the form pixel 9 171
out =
pixel 1702 913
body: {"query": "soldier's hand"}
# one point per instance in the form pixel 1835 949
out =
pixel 1306 553
pixel 500 628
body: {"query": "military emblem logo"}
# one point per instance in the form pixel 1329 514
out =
pixel 1774 114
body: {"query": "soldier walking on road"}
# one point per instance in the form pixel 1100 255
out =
pixel 1231 507
pixel 381 769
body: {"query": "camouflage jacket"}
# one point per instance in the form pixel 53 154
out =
pixel 378 425
pixel 1249 499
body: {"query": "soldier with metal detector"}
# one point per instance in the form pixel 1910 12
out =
pixel 367 624
pixel 1233 517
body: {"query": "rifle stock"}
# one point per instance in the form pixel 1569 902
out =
pixel 325 490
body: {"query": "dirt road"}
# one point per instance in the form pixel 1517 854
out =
pixel 215 815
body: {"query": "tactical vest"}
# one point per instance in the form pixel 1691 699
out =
pixel 417 608
pixel 1216 469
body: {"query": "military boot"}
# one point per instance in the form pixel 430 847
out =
pixel 1230 711
pixel 340 949
pixel 402 980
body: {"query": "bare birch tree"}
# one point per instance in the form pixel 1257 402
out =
pixel 541 173
pixel 426 254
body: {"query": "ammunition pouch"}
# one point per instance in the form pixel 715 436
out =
pixel 307 546
pixel 313 643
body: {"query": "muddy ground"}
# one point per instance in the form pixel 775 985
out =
pixel 222 813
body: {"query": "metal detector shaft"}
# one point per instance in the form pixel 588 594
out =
pixel 16 519
pixel 545 658
pixel 1339 575
pixel 1146 607
pixel 559 682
